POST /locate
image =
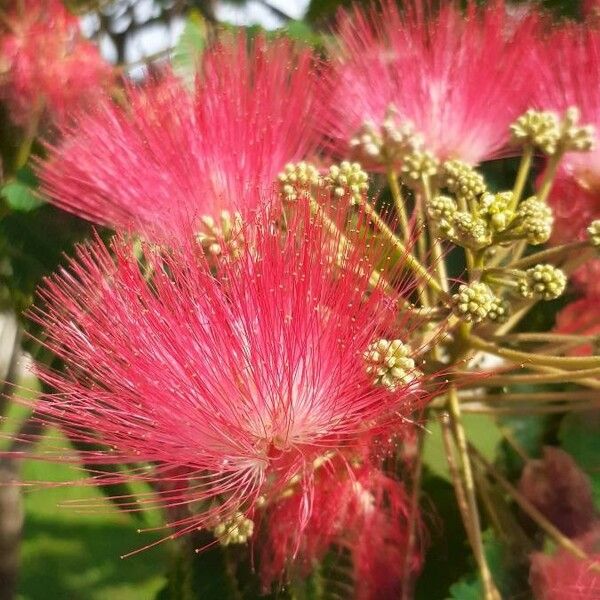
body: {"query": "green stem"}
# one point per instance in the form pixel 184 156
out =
pixel 466 473
pixel 540 378
pixel 548 177
pixel 535 397
pixel 565 362
pixel 524 168
pixel 399 203
pixel 550 253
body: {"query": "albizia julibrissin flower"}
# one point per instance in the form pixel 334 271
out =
pixel 173 153
pixel 46 66
pixel 360 514
pixel 455 76
pixel 228 386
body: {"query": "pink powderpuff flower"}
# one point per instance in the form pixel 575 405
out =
pixel 229 386
pixel 581 316
pixel 456 77
pixel 359 513
pixel 46 66
pixel 566 577
pixel 173 153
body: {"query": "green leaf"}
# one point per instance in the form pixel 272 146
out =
pixel 190 47
pixel 20 192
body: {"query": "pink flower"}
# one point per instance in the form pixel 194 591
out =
pixel 566 577
pixel 457 78
pixel 358 509
pixel 45 64
pixel 229 386
pixel 172 153
pixel 581 316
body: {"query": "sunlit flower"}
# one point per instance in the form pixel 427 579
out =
pixel 173 153
pixel 230 386
pixel 46 67
pixel 455 78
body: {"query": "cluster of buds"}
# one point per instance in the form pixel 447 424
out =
pixel 551 134
pixel 390 363
pixel 542 282
pixel 594 233
pixel 474 302
pixel 463 180
pixel 214 236
pixel 417 166
pixel 347 180
pixel 387 144
pixel 297 180
pixel 238 529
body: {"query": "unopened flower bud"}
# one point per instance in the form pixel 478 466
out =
pixel 538 128
pixel 463 180
pixel 441 208
pixel 496 208
pixel 469 231
pixel 213 237
pixel 499 310
pixel 473 302
pixel 297 179
pixel 542 282
pixel 348 180
pixel 399 139
pixel 533 221
pixel 575 137
pixel 390 364
pixel 236 530
pixel 594 233
pixel 418 165
pixel 367 143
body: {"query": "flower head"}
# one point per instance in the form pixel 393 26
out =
pixel 231 386
pixel 172 154
pixel 455 78
pixel 46 67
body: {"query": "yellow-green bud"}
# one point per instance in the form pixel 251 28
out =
pixel 417 165
pixel 542 282
pixel 594 233
pixel 575 137
pixel 213 236
pixel 297 179
pixel 497 210
pixel 390 364
pixel 534 220
pixel 469 231
pixel 499 310
pixel 441 208
pixel 473 302
pixel 348 180
pixel 538 128
pixel 235 530
pixel 463 180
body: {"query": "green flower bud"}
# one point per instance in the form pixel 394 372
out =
pixel 496 208
pixel 594 233
pixel 499 310
pixel 473 302
pixel 348 180
pixel 416 165
pixel 462 180
pixel 542 282
pixel 538 128
pixel 441 209
pixel 212 236
pixel 297 179
pixel 575 137
pixel 390 364
pixel 469 231
pixel 236 530
pixel 534 220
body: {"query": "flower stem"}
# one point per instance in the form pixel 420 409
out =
pixel 466 475
pixel 545 255
pixel 524 168
pixel 399 202
pixel 566 362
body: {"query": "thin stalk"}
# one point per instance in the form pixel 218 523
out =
pixel 539 378
pixel 527 507
pixel 548 177
pixel 546 255
pixel 437 254
pixel 524 168
pixel 412 263
pixel 535 397
pixel 399 203
pixel 565 362
pixel 483 409
pixel 545 337
pixel 466 474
